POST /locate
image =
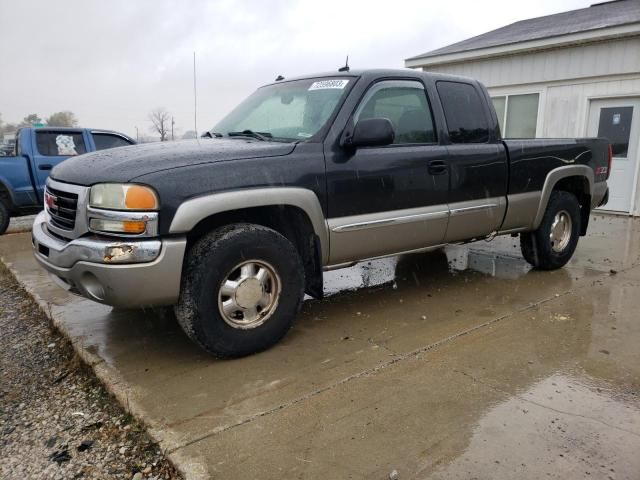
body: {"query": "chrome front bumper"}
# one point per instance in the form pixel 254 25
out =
pixel 123 273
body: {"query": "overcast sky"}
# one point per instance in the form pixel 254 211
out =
pixel 111 62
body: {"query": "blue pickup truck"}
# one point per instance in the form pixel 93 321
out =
pixel 37 151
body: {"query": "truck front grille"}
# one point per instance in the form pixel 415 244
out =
pixel 61 207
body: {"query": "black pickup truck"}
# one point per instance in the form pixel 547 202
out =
pixel 306 175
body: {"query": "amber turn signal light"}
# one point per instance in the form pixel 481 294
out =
pixel 130 226
pixel 118 226
pixel 140 198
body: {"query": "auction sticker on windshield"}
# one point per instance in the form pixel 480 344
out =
pixel 324 84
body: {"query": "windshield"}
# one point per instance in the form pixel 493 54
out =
pixel 287 111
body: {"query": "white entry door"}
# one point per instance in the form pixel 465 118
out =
pixel 619 121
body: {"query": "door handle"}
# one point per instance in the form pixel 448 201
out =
pixel 45 166
pixel 437 167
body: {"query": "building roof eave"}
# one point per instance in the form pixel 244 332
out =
pixel 559 41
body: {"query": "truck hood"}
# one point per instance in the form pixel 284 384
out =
pixel 126 163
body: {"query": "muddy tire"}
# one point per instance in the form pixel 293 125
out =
pixel 4 216
pixel 552 245
pixel 242 288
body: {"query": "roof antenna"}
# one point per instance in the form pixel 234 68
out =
pixel 346 66
pixel 279 78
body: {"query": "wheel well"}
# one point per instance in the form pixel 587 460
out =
pixel 5 196
pixel 291 222
pixel 578 186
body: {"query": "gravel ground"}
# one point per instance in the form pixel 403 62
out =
pixel 56 419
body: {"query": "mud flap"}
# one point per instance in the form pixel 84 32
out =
pixel 313 270
pixel 529 246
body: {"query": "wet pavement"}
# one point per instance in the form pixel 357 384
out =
pixel 462 363
pixel 21 224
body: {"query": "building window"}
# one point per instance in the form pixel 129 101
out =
pixel 615 124
pixel 517 114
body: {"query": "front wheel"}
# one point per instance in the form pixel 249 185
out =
pixel 4 217
pixel 552 245
pixel 242 288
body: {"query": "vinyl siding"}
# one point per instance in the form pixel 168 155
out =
pixel 566 79
pixel 567 105
pixel 582 61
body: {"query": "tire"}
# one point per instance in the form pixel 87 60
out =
pixel 241 253
pixel 4 217
pixel 552 245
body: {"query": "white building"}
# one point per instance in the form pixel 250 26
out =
pixel 572 74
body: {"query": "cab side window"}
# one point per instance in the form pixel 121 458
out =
pixel 405 104
pixel 60 144
pixel 464 112
pixel 107 140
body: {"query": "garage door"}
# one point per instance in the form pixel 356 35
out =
pixel 619 121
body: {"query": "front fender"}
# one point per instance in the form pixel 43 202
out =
pixel 191 212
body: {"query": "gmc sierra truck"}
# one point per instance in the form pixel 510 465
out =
pixel 24 172
pixel 306 175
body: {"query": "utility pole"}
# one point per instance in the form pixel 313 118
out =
pixel 137 135
pixel 195 97
pixel 172 124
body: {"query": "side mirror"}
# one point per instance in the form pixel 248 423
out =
pixel 372 132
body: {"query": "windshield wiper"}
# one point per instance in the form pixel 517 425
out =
pixel 262 136
pixel 211 135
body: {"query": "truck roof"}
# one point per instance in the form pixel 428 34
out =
pixel 77 129
pixel 374 73
pixel 74 129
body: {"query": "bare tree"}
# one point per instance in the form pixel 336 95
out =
pixel 161 121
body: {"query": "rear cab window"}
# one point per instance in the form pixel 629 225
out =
pixel 60 144
pixel 109 140
pixel 464 112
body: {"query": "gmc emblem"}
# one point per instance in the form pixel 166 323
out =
pixel 50 201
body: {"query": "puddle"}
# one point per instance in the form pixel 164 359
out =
pixel 462 258
pixel 368 274
pixel 452 259
pixel 561 427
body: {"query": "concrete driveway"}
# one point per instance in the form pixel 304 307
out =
pixel 454 364
pixel 20 224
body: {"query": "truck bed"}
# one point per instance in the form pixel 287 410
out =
pixel 531 160
pixel 583 161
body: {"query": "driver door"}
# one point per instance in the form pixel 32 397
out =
pixel 393 198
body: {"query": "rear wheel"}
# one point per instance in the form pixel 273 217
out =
pixel 552 245
pixel 242 288
pixel 4 216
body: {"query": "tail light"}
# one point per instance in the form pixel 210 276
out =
pixel 609 161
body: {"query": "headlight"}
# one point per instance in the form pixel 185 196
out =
pixel 123 209
pixel 115 196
